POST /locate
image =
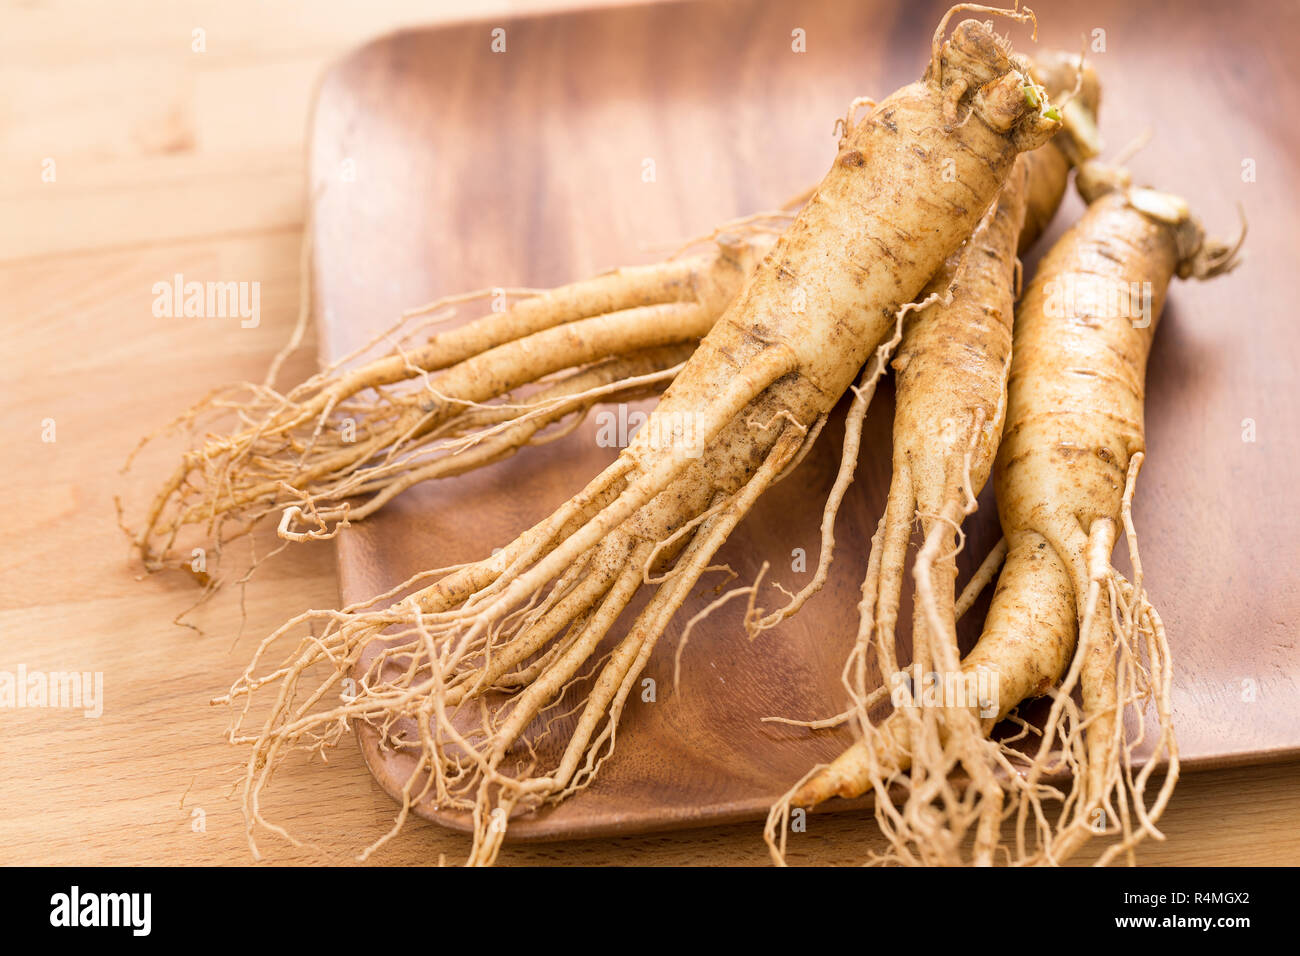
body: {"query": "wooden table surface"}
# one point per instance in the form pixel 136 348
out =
pixel 126 156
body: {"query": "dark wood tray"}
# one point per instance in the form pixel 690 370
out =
pixel 474 169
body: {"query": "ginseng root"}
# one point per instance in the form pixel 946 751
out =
pixel 438 406
pixel 465 670
pixel 1063 622
pixel 950 387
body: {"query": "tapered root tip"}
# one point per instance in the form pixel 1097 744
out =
pixel 817 790
pixel 847 776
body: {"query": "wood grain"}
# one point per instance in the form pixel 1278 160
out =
pixel 77 261
pixel 478 169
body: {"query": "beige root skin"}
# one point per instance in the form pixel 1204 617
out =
pixel 951 395
pixel 1067 472
pixel 1065 478
pixel 1064 77
pixel 944 444
pixel 494 432
pixel 735 419
pixel 419 412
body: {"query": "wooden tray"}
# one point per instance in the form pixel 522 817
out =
pixel 439 166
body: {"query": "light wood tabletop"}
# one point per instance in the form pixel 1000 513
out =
pixel 145 139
